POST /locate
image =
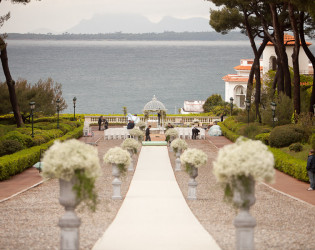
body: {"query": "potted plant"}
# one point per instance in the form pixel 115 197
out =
pixel 171 134
pixel 132 146
pixel 192 159
pixel 76 165
pixel 237 167
pixel 178 146
pixel 137 134
pixel 119 159
pixel 141 125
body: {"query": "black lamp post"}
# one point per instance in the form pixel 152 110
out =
pixel 231 103
pixel 32 106
pixel 273 109
pixel 248 109
pixel 74 101
pixel 58 108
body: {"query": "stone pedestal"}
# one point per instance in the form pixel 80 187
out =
pixel 130 167
pixel 192 184
pixel 177 161
pixel 116 183
pixel 244 198
pixel 69 223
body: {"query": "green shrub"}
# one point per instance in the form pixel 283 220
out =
pixel 313 141
pixel 228 133
pixel 10 146
pixel 290 165
pixel 283 136
pixel 13 164
pixel 250 130
pixel 25 140
pixel 233 125
pixel 39 139
pixel 264 137
pixel 296 147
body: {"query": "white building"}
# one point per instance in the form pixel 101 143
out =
pixel 192 107
pixel 236 84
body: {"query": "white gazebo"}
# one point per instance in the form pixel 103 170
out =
pixel 155 106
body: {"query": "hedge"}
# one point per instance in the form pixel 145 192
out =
pixel 228 133
pixel 16 163
pixel 290 165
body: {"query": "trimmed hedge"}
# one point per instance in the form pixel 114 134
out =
pixel 228 133
pixel 290 165
pixel 15 163
pixel 264 137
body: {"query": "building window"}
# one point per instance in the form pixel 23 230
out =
pixel 240 96
pixel 273 63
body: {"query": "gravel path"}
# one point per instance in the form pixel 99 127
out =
pixel 282 222
pixel 29 220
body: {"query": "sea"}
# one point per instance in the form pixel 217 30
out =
pixel 107 75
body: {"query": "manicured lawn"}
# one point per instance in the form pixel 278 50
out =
pixel 299 155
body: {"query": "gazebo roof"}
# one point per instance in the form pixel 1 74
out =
pixel 154 105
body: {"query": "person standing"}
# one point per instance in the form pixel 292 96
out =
pixel 131 124
pixel 310 167
pixel 105 123
pixel 195 133
pixel 147 134
pixel 100 120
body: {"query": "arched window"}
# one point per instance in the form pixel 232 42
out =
pixel 240 96
pixel 272 63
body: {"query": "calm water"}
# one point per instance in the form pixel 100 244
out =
pixel 107 75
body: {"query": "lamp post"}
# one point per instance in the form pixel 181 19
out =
pixel 248 109
pixel 231 103
pixel 32 106
pixel 273 109
pixel 58 108
pixel 74 101
pixel 314 109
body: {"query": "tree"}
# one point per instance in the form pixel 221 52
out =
pixel 43 93
pixel 6 70
pixel 212 102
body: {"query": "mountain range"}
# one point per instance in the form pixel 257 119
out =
pixel 132 23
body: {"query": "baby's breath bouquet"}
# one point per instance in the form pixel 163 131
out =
pixel 179 145
pixel 141 125
pixel 74 159
pixel 171 132
pixel 118 156
pixel 241 161
pixel 193 157
pixel 131 144
pixel 135 132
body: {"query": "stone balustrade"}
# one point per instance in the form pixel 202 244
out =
pixel 183 120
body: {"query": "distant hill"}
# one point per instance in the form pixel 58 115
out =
pixel 165 36
pixel 132 23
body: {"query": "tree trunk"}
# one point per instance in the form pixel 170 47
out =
pixel 310 56
pixel 281 49
pixel 11 84
pixel 295 60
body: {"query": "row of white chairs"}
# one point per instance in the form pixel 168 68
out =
pixel 116 133
pixel 186 133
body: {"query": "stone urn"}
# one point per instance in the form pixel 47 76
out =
pixel 177 161
pixel 170 141
pixel 130 167
pixel 116 183
pixel 192 184
pixel 244 198
pixel 69 223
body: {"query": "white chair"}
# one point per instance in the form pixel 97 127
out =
pixel 189 133
pixel 202 134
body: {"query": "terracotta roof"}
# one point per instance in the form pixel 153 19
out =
pixel 240 67
pixel 235 78
pixel 288 40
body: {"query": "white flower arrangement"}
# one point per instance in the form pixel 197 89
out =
pixel 136 132
pixel 179 144
pixel 244 158
pixel 131 144
pixel 118 156
pixel 171 133
pixel 74 159
pixel 194 157
pixel 141 125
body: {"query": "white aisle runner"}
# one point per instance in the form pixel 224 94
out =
pixel 154 214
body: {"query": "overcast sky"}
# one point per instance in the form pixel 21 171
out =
pixel 60 15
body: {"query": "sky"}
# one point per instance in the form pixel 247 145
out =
pixel 60 15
